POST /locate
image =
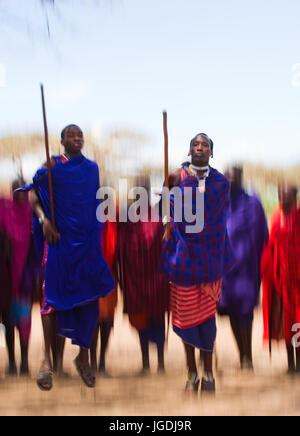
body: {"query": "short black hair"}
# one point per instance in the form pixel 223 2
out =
pixel 206 136
pixel 62 134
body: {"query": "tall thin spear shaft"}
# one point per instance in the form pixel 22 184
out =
pixel 48 160
pixel 166 170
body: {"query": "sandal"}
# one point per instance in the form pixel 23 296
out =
pixel 86 373
pixel 44 380
pixel 192 383
pixel 208 385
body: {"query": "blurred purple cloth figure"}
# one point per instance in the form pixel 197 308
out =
pixel 248 232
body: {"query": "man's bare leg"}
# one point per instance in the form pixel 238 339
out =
pixel 60 347
pixel 93 350
pixel 24 334
pixel 297 349
pixel 44 379
pixel 10 343
pixel 84 369
pixel 145 354
pixel 24 368
pixel 105 330
pixel 208 381
pixel 190 357
pixel 247 337
pixel 208 362
pixel 290 358
pixel 238 338
pixel 192 383
pixel 49 331
pixel 160 358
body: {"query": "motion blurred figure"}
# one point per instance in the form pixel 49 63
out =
pixel 108 304
pixel 281 275
pixel 5 288
pixel 248 232
pixel 76 275
pixel 145 289
pixel 24 271
pixel 195 262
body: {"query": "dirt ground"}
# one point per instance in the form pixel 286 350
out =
pixel 269 391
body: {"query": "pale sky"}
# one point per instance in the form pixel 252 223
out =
pixel 228 68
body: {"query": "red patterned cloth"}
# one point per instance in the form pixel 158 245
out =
pixel 191 306
pixel 145 289
pixel 109 241
pixel 281 276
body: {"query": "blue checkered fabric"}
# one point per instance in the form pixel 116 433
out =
pixel 193 258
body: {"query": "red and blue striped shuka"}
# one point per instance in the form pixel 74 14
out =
pixel 46 309
pixel 194 305
pixel 195 262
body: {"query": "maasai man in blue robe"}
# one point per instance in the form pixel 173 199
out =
pixel 248 232
pixel 77 274
pixel 195 261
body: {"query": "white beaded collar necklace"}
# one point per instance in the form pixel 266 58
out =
pixel 201 180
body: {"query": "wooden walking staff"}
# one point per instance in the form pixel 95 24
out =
pixel 167 198
pixel 48 160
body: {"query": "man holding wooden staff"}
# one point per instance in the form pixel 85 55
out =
pixel 76 271
pixel 196 256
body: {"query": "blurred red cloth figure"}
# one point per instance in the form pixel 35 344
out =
pixel 109 249
pixel 108 304
pixel 146 290
pixel 281 275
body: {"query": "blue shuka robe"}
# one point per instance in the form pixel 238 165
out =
pixel 77 274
